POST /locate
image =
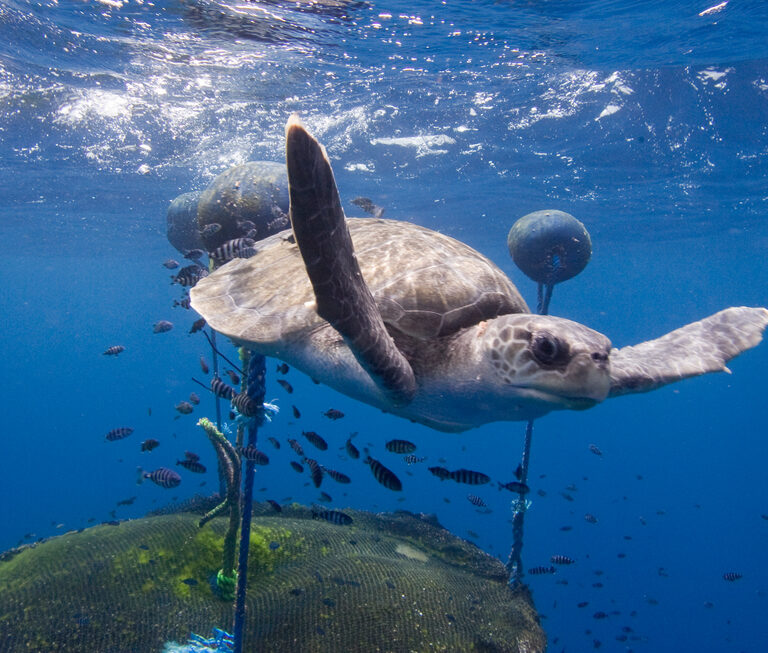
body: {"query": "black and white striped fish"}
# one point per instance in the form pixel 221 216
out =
pixel 296 446
pixel 315 471
pixel 162 476
pixel 221 389
pixel 235 248
pixel 469 477
pixel 274 441
pixel 476 501
pixel 245 405
pixel 337 476
pixel 334 516
pixel 316 440
pixel 537 571
pixel 114 350
pixel 561 560
pixel 297 466
pixel 119 433
pixel 412 459
pixel 732 576
pixel 251 453
pixel 352 450
pixel 384 476
pixel 441 472
pixel 189 275
pixel 192 465
pixel 400 446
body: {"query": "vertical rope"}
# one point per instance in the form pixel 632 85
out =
pixel 256 389
pixel 515 561
pixel 217 399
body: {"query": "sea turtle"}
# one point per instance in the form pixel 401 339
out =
pixel 423 326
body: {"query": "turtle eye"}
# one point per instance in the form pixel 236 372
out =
pixel 548 350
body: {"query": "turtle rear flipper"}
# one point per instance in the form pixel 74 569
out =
pixel 697 348
pixel 342 296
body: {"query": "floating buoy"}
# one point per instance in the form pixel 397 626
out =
pixel 549 246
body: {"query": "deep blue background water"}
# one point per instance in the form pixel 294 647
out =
pixel 646 120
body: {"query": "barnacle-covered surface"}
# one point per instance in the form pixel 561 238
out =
pixel 394 582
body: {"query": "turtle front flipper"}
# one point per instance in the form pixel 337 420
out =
pixel 342 295
pixel 697 348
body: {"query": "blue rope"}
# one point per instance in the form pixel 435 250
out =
pixel 256 389
pixel 515 561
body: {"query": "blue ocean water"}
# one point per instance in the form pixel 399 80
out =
pixel 648 121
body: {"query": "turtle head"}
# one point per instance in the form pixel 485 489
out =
pixel 549 361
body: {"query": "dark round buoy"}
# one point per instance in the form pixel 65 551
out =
pixel 549 246
pixel 253 193
pixel 183 232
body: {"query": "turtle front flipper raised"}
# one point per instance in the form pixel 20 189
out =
pixel 697 348
pixel 342 296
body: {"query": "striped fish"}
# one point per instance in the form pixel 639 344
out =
pixel 441 472
pixel 221 389
pixel 561 560
pixel 119 433
pixel 235 248
pixel 274 442
pixel 245 405
pixel 296 446
pixel 352 450
pixel 537 571
pixel 162 476
pixel 469 477
pixel 400 446
pixel 732 576
pixel 476 501
pixel 297 466
pixel 114 350
pixel 315 471
pixel 189 275
pixel 337 476
pixel 316 440
pixel 334 516
pixel 253 454
pixel 192 465
pixel 383 475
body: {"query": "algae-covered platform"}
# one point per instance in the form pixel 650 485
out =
pixel 393 582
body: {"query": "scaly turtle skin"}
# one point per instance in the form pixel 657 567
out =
pixel 423 326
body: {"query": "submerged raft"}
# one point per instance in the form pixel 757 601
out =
pixel 392 582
